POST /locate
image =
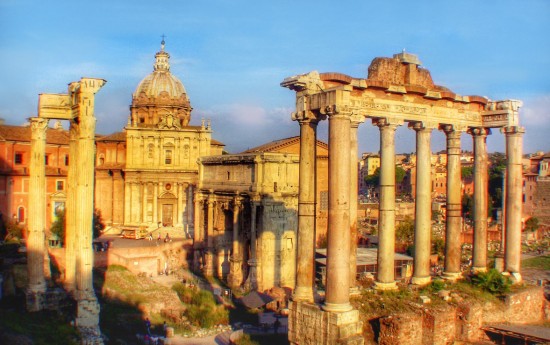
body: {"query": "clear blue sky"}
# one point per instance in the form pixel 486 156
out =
pixel 232 55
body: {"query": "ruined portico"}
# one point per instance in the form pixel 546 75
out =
pixel 78 107
pixel 396 91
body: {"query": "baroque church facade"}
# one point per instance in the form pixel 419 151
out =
pixel 147 174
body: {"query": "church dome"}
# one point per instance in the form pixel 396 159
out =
pixel 159 94
pixel 161 80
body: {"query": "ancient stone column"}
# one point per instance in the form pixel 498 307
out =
pixel 514 184
pixel 87 305
pixel 37 212
pixel 356 120
pixel 479 135
pixel 385 277
pixel 338 247
pixel 423 205
pixel 252 280
pixel 198 232
pixel 209 267
pixel 70 210
pixel 305 260
pixel 236 274
pixel 454 204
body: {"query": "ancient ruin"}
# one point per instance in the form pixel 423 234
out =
pixel 77 106
pixel 396 91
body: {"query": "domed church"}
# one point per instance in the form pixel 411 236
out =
pixel 146 175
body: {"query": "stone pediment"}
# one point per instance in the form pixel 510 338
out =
pixel 169 121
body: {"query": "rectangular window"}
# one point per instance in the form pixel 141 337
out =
pixel 46 159
pixel 59 185
pixel 18 158
pixel 168 157
pixel 66 160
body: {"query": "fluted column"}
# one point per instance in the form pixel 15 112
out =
pixel 479 135
pixel 209 267
pixel 70 210
pixel 385 278
pixel 423 205
pixel 454 204
pixel 37 212
pixel 236 274
pixel 252 280
pixel 338 247
pixel 85 206
pixel 356 120
pixel 305 261
pixel 514 151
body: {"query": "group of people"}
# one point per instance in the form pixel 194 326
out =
pixel 167 238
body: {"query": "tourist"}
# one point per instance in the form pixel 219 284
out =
pixel 276 325
pixel 164 327
pixel 167 238
pixel 148 326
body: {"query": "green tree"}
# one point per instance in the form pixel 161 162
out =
pixel 374 179
pixel 468 206
pixel 404 232
pixel 532 224
pixel 58 226
pixel 467 172
pixel 496 177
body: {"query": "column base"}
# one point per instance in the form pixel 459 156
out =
pixel 421 280
pixel 87 313
pixel 337 307
pixel 452 276
pixel 309 324
pixel 476 270
pixel 303 294
pixel 499 262
pixel 385 286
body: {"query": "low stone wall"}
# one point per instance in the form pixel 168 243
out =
pixel 462 322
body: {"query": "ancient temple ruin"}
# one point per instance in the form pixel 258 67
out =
pixel 396 91
pixel 77 106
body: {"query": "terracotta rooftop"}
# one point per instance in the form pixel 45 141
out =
pixel 118 136
pixel 23 134
pixel 279 145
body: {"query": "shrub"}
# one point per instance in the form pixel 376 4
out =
pixel 438 285
pixel 492 281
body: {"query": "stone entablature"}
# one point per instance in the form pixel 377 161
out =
pixel 396 91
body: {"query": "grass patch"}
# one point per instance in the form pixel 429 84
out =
pixel 44 328
pixel 202 309
pixel 539 262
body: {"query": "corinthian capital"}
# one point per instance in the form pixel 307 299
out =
pixel 38 127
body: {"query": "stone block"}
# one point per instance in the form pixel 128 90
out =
pixel 425 299
pixel 344 318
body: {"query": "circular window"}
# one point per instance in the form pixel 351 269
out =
pixel 168 186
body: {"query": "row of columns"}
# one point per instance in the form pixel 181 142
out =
pixel 203 239
pixel 342 215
